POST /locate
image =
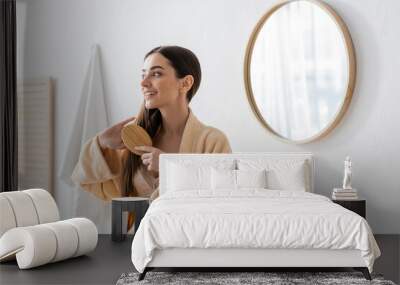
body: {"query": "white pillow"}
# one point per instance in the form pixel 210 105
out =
pixel 282 174
pixel 236 179
pixel 182 178
pixel 223 179
pixel 189 176
pixel 251 178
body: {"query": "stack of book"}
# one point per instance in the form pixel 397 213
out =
pixel 344 194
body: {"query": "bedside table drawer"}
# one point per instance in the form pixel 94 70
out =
pixel 357 206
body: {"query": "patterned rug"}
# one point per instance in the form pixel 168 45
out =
pixel 269 278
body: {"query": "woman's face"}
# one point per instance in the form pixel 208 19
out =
pixel 160 86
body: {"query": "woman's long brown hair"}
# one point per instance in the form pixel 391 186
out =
pixel 185 63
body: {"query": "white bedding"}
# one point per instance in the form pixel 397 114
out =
pixel 250 218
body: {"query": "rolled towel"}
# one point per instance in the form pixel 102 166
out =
pixel 40 244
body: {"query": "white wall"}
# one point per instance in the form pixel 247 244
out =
pixel 59 35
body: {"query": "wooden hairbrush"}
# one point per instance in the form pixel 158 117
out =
pixel 134 135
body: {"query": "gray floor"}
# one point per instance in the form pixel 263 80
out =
pixel 102 266
pixel 110 260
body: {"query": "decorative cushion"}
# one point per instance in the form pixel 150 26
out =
pixel 236 179
pixel 223 179
pixel 40 244
pixel 186 175
pixel 251 178
pixel 282 174
pixel 182 178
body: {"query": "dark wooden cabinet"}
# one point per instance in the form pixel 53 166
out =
pixel 357 206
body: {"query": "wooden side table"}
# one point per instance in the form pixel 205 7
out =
pixel 139 205
pixel 358 206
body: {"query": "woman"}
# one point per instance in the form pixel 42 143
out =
pixel 171 76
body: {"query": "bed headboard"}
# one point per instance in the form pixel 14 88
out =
pixel 201 159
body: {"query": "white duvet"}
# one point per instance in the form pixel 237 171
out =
pixel 251 218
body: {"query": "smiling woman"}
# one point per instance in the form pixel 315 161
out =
pixel 171 76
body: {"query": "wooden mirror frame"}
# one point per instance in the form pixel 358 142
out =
pixel 351 79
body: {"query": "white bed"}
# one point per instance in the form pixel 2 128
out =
pixel 201 220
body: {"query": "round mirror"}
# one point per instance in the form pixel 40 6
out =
pixel 300 70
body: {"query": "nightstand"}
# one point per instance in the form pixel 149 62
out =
pixel 358 206
pixel 138 205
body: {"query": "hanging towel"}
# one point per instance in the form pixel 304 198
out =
pixel 90 119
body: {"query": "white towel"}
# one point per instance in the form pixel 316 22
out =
pixel 90 119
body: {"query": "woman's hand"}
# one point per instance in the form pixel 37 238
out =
pixel 150 157
pixel 111 137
